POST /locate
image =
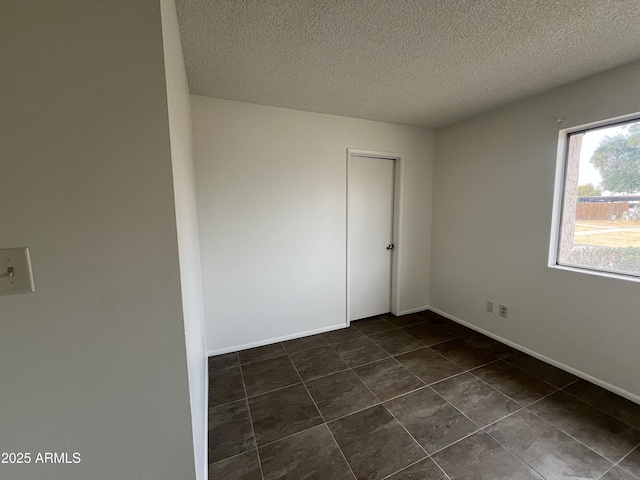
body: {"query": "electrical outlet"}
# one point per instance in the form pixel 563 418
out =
pixel 504 311
pixel 489 306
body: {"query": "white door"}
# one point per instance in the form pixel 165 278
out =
pixel 370 235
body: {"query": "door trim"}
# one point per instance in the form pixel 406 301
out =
pixel 398 194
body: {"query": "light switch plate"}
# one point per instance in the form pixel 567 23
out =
pixel 15 271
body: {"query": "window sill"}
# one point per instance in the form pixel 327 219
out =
pixel 599 273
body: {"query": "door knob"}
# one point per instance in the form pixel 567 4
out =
pixel 391 246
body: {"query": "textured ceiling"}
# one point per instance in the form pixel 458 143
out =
pixel 424 63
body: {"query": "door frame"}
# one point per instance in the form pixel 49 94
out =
pixel 398 194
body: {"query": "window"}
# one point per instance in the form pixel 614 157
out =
pixel 597 218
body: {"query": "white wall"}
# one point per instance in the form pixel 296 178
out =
pixel 271 186
pixel 94 361
pixel 493 194
pixel 184 188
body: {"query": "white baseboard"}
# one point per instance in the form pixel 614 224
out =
pixel 260 343
pixel 413 310
pixel 607 386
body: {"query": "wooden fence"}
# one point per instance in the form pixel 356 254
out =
pixel 601 211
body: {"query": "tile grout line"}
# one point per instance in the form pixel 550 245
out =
pixel 508 396
pixel 535 376
pixel 471 434
pixel 574 438
pixel 282 388
pixel 348 367
pixel 513 454
pixel 504 359
pixel 402 394
pixel 363 364
pixel 466 370
pixel 522 407
pixel 595 406
pixel 483 429
pixel 513 413
pixel 253 430
pixel 617 464
pixel 557 389
pixel 556 427
pixel 462 366
pixel 386 409
pixel 232 456
pixel 434 382
pixel 325 421
pixel 463 414
pixel 447 477
pixel 274 390
pixel 399 423
pixel 354 412
pixel 480 429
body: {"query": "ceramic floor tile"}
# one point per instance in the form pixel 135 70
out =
pixel 359 351
pixel 230 431
pixel 617 473
pixel 435 319
pixel 281 413
pixel 370 326
pixel 396 342
pixel 463 354
pixel 613 404
pixel 490 345
pixel 318 362
pixel 428 334
pixel 267 375
pixel 290 431
pixel 374 443
pixel 241 467
pixel 542 370
pixel 225 386
pixel 606 435
pixel 304 343
pixel 428 365
pixel 432 421
pixel 423 470
pixel 457 329
pixel 476 399
pixel 552 453
pixel 220 362
pixel 340 394
pixel 305 455
pixel 259 354
pixel 341 335
pixel 479 457
pixel 404 320
pixel 513 382
pixel 388 378
pixel 631 462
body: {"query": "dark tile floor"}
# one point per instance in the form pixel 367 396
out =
pixel 411 398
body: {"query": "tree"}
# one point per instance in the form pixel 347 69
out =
pixel 617 158
pixel 588 190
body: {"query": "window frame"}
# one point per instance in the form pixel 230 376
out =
pixel 562 164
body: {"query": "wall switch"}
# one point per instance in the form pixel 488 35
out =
pixel 489 306
pixel 15 271
pixel 504 311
